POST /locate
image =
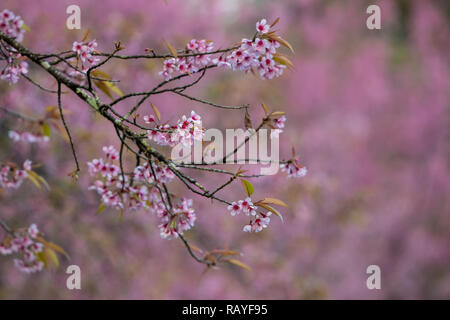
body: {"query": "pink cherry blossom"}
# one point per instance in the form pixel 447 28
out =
pixel 149 119
pixel 252 54
pixel 258 222
pixel 189 64
pixel 247 206
pixel 293 169
pixel 279 122
pixel 235 208
pixel 262 26
pixel 181 220
pixel 84 51
pixel 187 130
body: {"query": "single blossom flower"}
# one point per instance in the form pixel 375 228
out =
pixel 262 26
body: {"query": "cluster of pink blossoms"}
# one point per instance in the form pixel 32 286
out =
pixel 293 169
pixel 139 191
pixel 26 137
pixel 182 218
pixel 11 177
pixel 187 130
pixel 189 64
pixel 11 25
pixel 116 190
pixel 258 221
pixel 84 51
pixel 14 68
pixel 23 242
pixel 256 54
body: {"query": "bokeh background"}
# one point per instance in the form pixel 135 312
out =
pixel 368 113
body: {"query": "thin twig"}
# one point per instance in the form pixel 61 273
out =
pixel 5 227
pixel 67 128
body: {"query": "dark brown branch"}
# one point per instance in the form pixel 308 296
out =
pixel 5 227
pixel 67 128
pixel 209 103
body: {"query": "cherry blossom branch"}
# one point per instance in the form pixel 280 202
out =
pixel 208 263
pixel 181 54
pixel 197 167
pixel 154 90
pixel 17 114
pixel 117 48
pixel 258 53
pixel 94 102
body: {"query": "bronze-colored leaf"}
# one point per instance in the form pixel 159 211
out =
pixel 271 209
pixel 61 130
pixel 282 59
pixel 272 201
pixel 283 42
pixel 239 264
pixel 156 111
pixel 52 112
pixel 280 40
pixel 275 22
pixel 171 49
pixel 106 86
pixel 195 248
pixel 247 120
pixel 86 35
pixel 278 113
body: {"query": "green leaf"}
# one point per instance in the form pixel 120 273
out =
pixel 248 187
pixel 46 130
pixel 46 256
pixel 26 28
pixel 33 179
pixel 37 179
pixel 52 246
pixel 101 207
pixel 51 255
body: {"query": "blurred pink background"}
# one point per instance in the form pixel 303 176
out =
pixel 368 113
